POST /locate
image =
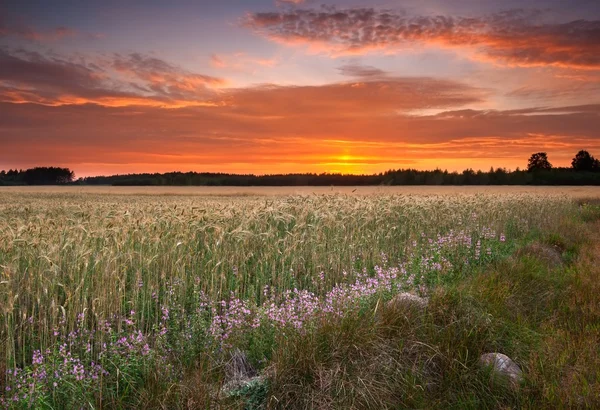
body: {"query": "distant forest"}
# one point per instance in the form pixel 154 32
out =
pixel 584 170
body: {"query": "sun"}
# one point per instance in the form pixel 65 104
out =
pixel 344 164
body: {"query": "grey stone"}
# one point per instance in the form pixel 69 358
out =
pixel 408 299
pixel 502 365
pixel 233 386
pixel 238 372
pixel 239 367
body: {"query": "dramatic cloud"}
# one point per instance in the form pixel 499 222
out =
pixel 511 37
pixel 372 123
pixel 50 80
pixel 271 134
pixel 142 80
pixel 164 79
pixel 379 97
pixel 560 88
pixel 33 77
pixel 410 99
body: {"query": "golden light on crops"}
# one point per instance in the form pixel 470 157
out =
pixel 103 253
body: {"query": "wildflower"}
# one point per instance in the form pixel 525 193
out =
pixel 165 313
pixel 38 358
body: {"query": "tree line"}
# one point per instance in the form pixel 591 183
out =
pixel 584 170
pixel 37 176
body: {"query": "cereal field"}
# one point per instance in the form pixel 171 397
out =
pixel 99 285
pixel 571 191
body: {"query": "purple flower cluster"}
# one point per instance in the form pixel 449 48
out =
pixel 48 372
pixel 298 308
pixel 134 343
pixel 71 362
pixel 344 297
pixel 452 250
pixel 295 309
pixel 228 317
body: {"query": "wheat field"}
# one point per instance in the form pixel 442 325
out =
pixel 571 191
pixel 90 277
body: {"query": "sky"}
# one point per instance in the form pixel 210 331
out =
pixel 286 86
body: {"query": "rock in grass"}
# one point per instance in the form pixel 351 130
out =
pixel 547 254
pixel 408 299
pixel 244 387
pixel 238 372
pixel 502 365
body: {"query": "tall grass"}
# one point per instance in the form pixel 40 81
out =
pixel 71 263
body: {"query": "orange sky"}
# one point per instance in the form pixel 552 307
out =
pixel 275 87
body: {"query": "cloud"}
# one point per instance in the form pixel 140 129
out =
pixel 365 97
pixel 514 37
pixel 357 70
pixel 283 129
pixel 281 2
pixel 162 78
pixel 17 29
pixel 559 88
pixel 241 61
pixel 30 34
pixel 137 112
pixel 137 79
pixel 53 80
pixel 50 78
pixel 217 61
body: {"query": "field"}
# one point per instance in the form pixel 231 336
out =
pixel 570 191
pixel 131 297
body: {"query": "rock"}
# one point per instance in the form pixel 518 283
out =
pixel 408 299
pixel 239 367
pixel 238 372
pixel 551 256
pixel 235 387
pixel 502 365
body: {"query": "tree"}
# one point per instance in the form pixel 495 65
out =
pixel 538 161
pixel 583 161
pixel 48 176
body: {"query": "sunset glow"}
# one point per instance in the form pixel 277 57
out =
pixel 282 86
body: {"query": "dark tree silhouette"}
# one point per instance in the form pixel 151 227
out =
pixel 37 176
pixel 498 176
pixel 583 161
pixel 538 161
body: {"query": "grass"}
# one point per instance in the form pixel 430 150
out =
pixel 545 317
pixel 128 301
